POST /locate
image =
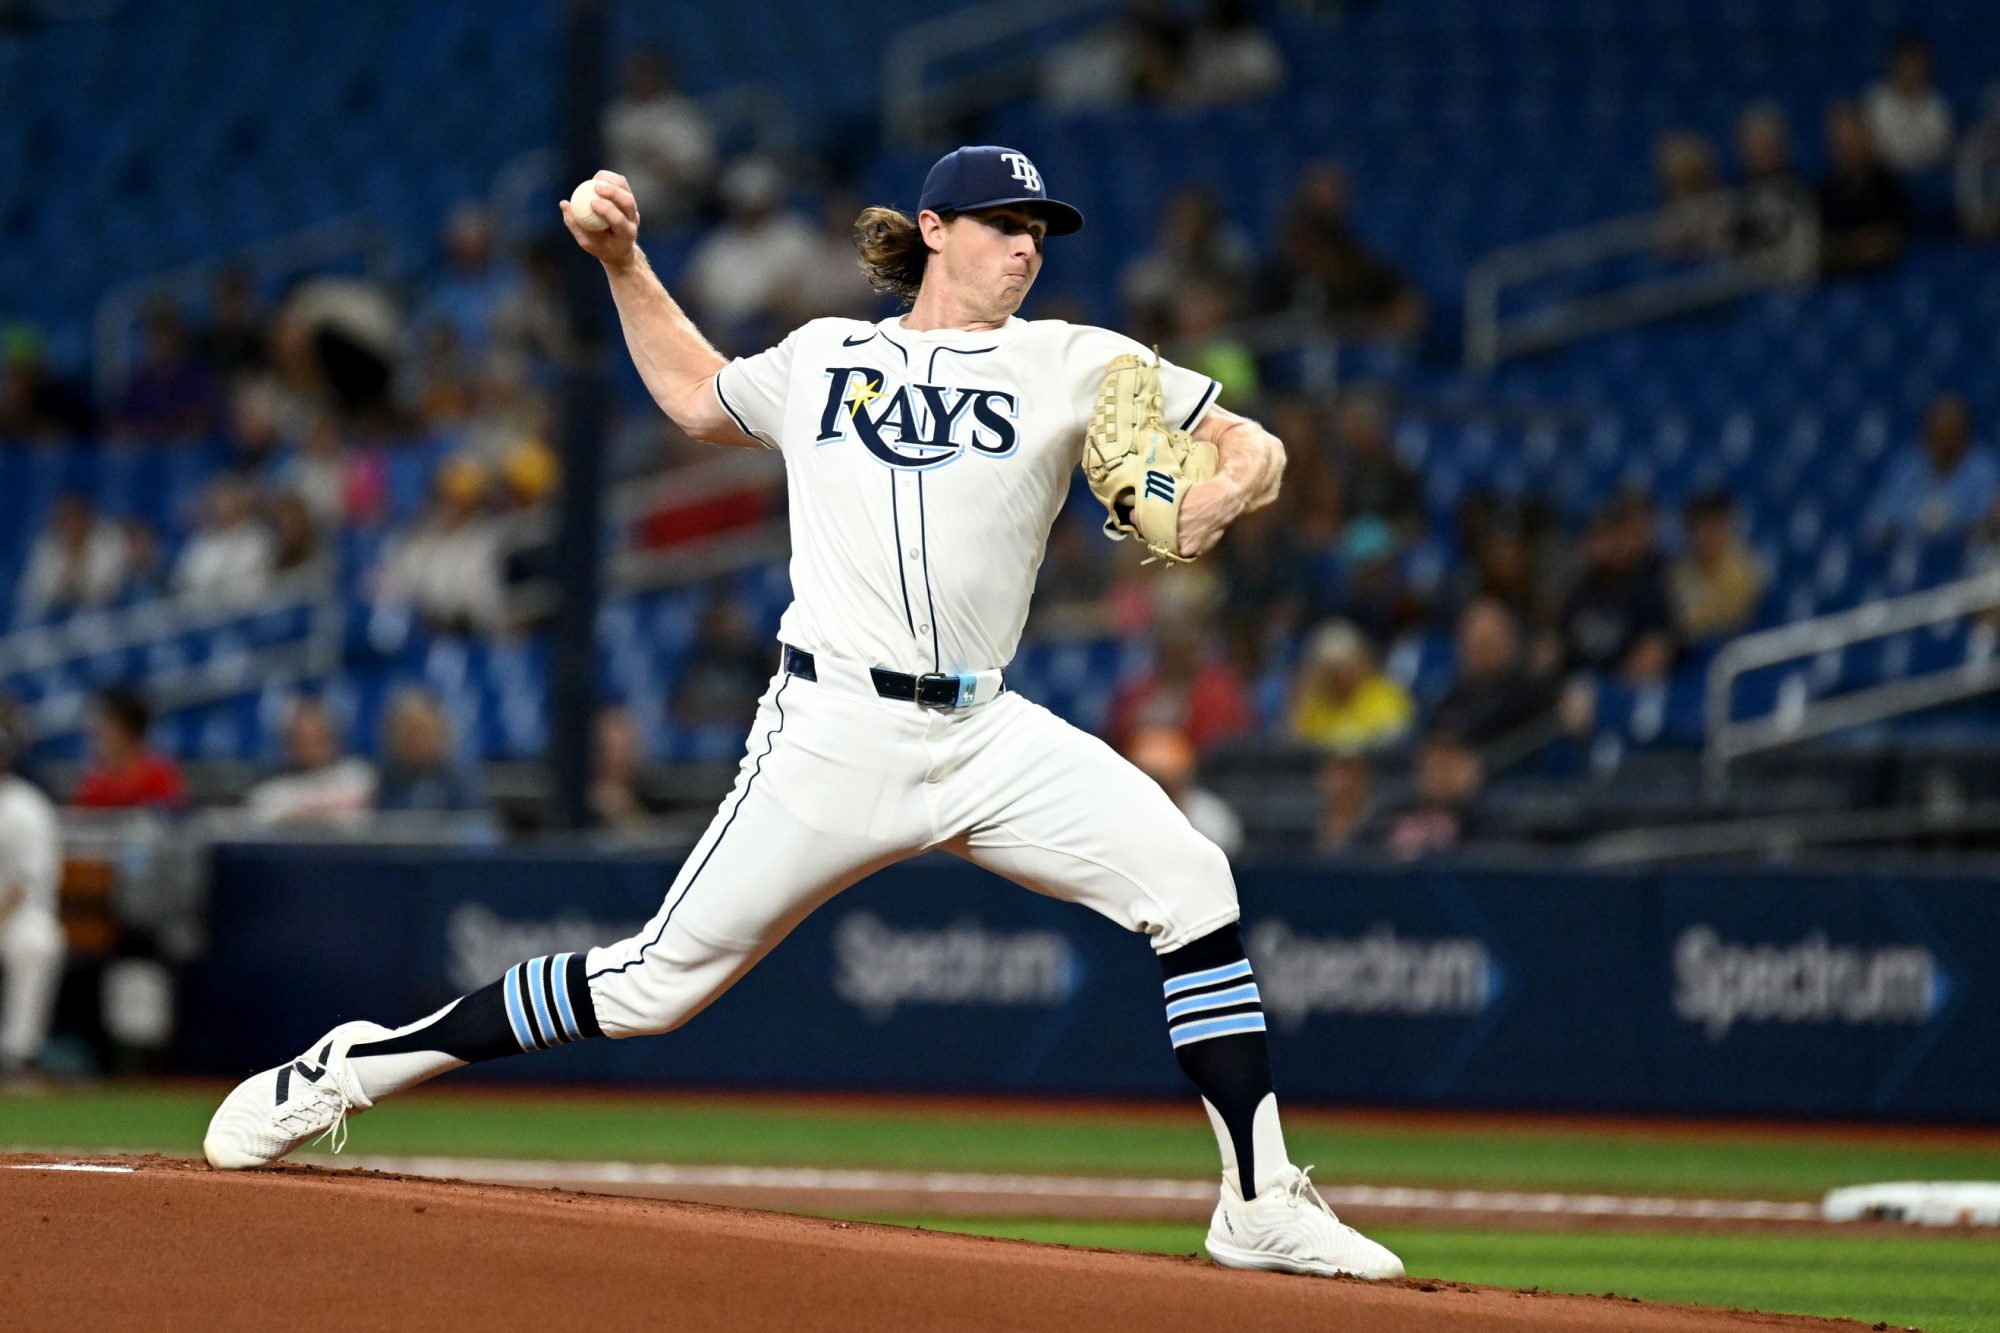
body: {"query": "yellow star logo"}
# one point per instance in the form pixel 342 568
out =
pixel 863 396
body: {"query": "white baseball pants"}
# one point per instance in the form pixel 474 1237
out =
pixel 837 782
pixel 31 965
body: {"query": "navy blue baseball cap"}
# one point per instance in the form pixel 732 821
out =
pixel 987 176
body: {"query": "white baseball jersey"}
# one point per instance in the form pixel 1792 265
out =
pixel 30 849
pixel 925 469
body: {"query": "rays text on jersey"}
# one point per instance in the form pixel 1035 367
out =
pixel 916 425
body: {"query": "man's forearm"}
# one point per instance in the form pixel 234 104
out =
pixel 672 357
pixel 1252 458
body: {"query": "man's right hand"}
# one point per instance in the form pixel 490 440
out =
pixel 616 244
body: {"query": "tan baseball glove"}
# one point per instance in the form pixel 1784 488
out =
pixel 1138 466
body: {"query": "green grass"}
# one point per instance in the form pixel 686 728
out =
pixel 1944 1284
pixel 640 1129
pixel 1938 1282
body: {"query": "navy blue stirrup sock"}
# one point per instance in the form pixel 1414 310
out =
pixel 538 1004
pixel 1216 1020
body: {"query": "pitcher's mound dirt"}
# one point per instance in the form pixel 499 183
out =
pixel 171 1244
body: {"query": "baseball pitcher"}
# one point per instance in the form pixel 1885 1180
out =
pixel 927 456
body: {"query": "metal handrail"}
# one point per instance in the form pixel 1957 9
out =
pixel 910 111
pixel 1490 338
pixel 1729 739
pixel 163 620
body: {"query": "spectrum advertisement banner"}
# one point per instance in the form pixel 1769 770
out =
pixel 1729 993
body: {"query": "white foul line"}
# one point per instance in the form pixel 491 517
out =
pixel 499 1171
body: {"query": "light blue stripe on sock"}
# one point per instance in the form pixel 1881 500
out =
pixel 1244 994
pixel 560 967
pixel 1217 1027
pixel 515 1014
pixel 538 972
pixel 1227 972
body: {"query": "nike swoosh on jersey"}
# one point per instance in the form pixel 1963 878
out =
pixel 855 342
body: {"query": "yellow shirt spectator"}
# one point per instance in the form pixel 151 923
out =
pixel 1343 701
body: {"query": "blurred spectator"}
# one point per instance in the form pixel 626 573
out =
pixel 448 567
pixel 80 561
pixel 1494 694
pixel 1718 581
pixel 17 735
pixel 1343 700
pixel 1443 813
pixel 31 933
pixel 661 141
pixel 1692 221
pixel 1324 271
pixel 437 383
pixel 1906 116
pixel 1373 481
pixel 420 772
pixel 1363 580
pixel 1190 689
pixel 1073 584
pixel 1617 619
pixel 171 395
pixel 728 667
pixel 124 772
pixel 1941 488
pixel 744 271
pixel 319 784
pixel 1266 584
pixel 615 801
pixel 335 345
pixel 528 475
pixel 1346 802
pixel 258 445
pixel 1774 199
pixel 145 563
pixel 1141 55
pixel 1505 559
pixel 1195 240
pixel 230 558
pixel 34 404
pixel 507 410
pixel 531 326
pixel 319 474
pixel 1165 756
pixel 468 295
pixel 294 536
pixel 1977 174
pixel 832 283
pixel 1202 342
pixel 234 343
pixel 1230 58
pixel 1864 212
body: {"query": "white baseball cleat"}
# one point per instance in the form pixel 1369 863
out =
pixel 270 1114
pixel 1289 1229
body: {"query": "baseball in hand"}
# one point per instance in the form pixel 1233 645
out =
pixel 580 201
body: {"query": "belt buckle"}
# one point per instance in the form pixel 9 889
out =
pixel 946 689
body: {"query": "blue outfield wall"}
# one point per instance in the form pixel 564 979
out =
pixel 1755 992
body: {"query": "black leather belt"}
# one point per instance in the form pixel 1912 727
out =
pixel 933 689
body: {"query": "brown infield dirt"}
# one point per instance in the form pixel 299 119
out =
pixel 174 1245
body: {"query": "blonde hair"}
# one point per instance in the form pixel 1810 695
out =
pixel 893 253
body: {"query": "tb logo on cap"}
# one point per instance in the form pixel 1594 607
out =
pixel 1024 171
